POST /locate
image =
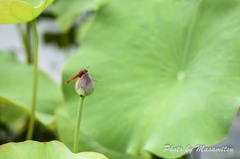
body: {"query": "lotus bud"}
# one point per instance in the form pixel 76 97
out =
pixel 84 85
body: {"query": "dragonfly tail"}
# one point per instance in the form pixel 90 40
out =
pixel 72 79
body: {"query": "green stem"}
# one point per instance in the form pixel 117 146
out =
pixel 77 129
pixel 35 62
pixel 26 41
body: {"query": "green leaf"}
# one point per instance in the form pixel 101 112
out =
pixel 46 150
pixel 170 74
pixel 19 11
pixel 13 117
pixel 16 86
pixel 10 114
pixel 66 128
pixel 68 12
pixel 82 29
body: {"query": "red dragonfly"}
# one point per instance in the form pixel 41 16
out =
pixel 80 74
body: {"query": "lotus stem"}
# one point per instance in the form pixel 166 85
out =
pixel 77 129
pixel 35 63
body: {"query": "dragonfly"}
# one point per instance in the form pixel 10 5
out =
pixel 80 74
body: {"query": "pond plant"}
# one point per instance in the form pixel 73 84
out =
pixel 170 75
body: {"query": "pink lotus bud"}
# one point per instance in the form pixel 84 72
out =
pixel 84 85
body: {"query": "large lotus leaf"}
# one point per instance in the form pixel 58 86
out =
pixel 16 86
pixel 66 128
pixel 46 150
pixel 67 12
pixel 170 74
pixel 19 11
